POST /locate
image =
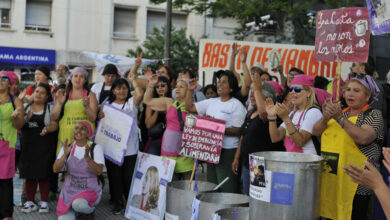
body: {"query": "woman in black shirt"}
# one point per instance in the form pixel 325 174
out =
pixel 254 131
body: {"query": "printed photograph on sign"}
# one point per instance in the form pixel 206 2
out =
pixel 148 188
pixel 260 179
pixel 379 11
pixel 257 168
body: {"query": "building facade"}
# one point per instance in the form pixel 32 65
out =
pixel 69 27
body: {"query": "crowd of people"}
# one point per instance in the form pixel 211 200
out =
pixel 47 129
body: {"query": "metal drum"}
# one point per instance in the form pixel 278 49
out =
pixel 235 213
pixel 304 203
pixel 210 202
pixel 179 199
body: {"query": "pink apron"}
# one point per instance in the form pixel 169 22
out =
pixel 288 141
pixel 81 182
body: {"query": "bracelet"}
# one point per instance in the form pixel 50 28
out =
pixel 290 122
pixel 296 130
pixel 272 118
pixel 341 122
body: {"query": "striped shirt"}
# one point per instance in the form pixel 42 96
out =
pixel 373 118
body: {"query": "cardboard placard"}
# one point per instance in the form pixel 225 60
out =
pixel 342 35
pixel 202 138
pixel 379 12
pixel 147 197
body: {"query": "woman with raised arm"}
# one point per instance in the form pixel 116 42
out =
pixel 254 131
pixel 120 176
pixel 155 121
pixel 229 109
pixel 74 104
pixel 297 126
pixel 175 116
pixel 352 135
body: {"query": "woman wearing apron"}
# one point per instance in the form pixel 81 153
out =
pixel 297 126
pixel 38 148
pixel 11 119
pixel 172 136
pixel 81 190
pixel 352 135
pixel 74 105
pixel 120 176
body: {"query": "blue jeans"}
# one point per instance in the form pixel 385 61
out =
pixel 245 179
pixel 79 205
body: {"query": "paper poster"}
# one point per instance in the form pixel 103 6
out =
pixel 147 196
pixel 202 138
pixel 379 11
pixel 195 209
pixel 260 179
pixel 113 133
pixel 342 35
pixel 282 191
pixel 169 216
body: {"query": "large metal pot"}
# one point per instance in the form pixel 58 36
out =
pixel 179 199
pixel 306 170
pixel 210 202
pixel 235 213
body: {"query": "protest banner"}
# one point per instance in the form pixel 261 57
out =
pixel 342 35
pixel 147 197
pixel 215 54
pixel 113 133
pixel 121 62
pixel 202 138
pixel 379 12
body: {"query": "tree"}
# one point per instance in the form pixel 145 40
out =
pixel 247 11
pixel 184 50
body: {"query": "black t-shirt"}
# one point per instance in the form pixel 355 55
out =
pixel 255 133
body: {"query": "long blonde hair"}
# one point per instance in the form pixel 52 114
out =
pixel 311 101
pixel 154 190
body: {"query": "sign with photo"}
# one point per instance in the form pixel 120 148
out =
pixel 202 138
pixel 342 35
pixel 147 195
pixel 113 133
pixel 379 11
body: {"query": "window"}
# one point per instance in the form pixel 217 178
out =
pixel 124 22
pixel 5 20
pixel 38 15
pixel 157 20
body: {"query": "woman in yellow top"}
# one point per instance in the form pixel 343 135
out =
pixel 73 105
pixel 11 119
pixel 352 135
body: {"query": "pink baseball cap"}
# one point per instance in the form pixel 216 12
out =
pixel 304 80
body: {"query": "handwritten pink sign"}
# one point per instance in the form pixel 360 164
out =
pixel 342 35
pixel 202 138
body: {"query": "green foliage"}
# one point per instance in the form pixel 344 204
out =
pixel 184 51
pixel 245 11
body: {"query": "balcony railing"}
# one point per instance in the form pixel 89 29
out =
pixel 37 27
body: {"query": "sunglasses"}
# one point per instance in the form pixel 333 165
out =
pixel 4 78
pixel 161 85
pixel 296 89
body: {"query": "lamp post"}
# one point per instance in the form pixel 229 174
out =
pixel 167 45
